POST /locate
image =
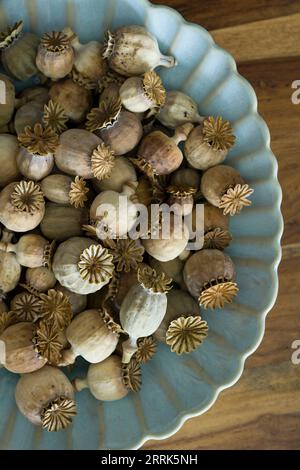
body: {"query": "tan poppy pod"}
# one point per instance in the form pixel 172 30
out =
pixel 20 354
pixel 78 301
pixel 28 115
pixel 186 177
pixel 63 189
pixel 82 265
pixel 38 94
pixel 46 398
pixel 180 303
pixel 40 279
pixel 7 105
pixel 178 109
pixel 92 335
pixel 74 99
pixel 210 277
pixel 181 199
pixel 111 172
pixel 143 308
pixel 74 152
pixel 10 269
pixel 35 158
pixel 32 251
pixel 139 94
pixel 18 52
pixel 160 153
pixel 26 307
pixel 224 187
pixel 55 309
pixel 54 117
pixel 89 64
pixel 119 129
pixel 8 159
pixel 22 206
pixel 172 268
pixel 55 55
pixel 216 231
pixel 110 380
pixel 209 143
pixel 132 51
pixel 61 222
pixel 166 247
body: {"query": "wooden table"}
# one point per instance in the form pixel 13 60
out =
pixel 262 411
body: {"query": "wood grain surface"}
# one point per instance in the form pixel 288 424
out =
pixel 262 411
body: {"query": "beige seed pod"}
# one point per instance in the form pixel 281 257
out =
pixel 139 94
pixel 46 398
pixel 61 222
pixel 26 307
pixel 10 269
pixel 224 187
pixel 55 55
pixel 8 159
pixel 172 268
pixel 186 177
pixel 82 265
pixel 161 153
pixel 209 143
pixel 210 277
pixel 40 279
pixel 216 231
pixel 20 354
pixel 181 199
pixel 132 51
pixel 56 188
pixel 78 301
pixel 32 251
pixel 18 51
pixel 7 106
pixel 28 115
pixel 109 380
pixel 74 99
pixel 38 94
pixel 92 335
pixel 22 206
pixel 178 109
pixel 143 308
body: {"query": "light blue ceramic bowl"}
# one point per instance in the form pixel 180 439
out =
pixel 174 389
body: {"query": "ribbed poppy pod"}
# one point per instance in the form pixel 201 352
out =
pixel 78 302
pixel 74 99
pixel 32 250
pixel 46 398
pixel 22 206
pixel 38 94
pixel 63 189
pixel 139 94
pixel 55 55
pixel 224 187
pixel 10 268
pixel 209 143
pixel 187 177
pixel 132 51
pixel 29 114
pixel 8 159
pixel 40 279
pixel 178 109
pixel 216 227
pixel 210 277
pixel 62 222
pixel 110 380
pixel 7 104
pixel 18 51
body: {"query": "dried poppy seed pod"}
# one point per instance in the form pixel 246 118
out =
pixel 35 158
pixel 18 51
pixel 10 269
pixel 8 159
pixel 28 114
pixel 139 94
pixel 93 335
pixel 132 51
pixel 74 152
pixel 122 283
pixel 61 222
pixel 182 197
pixel 209 143
pixel 224 187
pixel 7 105
pixel 37 94
pixel 40 279
pixel 20 354
pixel 62 189
pixel 160 153
pixel 209 276
pixel 46 398
pixel 32 251
pixel 54 117
pixel 117 221
pixel 172 268
pixel 167 246
pixel 22 206
pixel 74 99
pixel 119 129
pixel 186 177
pixel 89 64
pixel 78 302
pixel 143 308
pixel 82 265
pixel 26 307
pixel 55 56
pixel 216 232
pixel 110 380
pixel 111 172
pixel 178 109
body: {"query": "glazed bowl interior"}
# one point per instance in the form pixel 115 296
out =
pixel 174 388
